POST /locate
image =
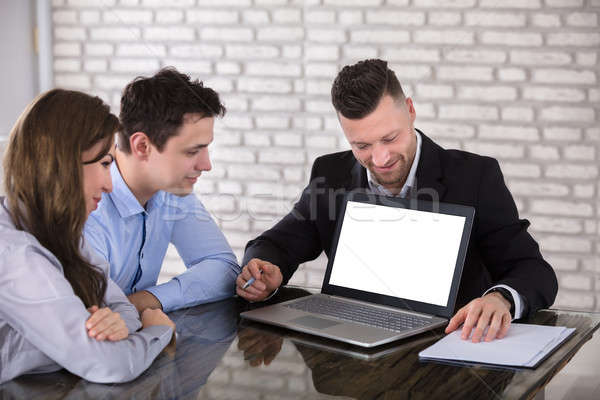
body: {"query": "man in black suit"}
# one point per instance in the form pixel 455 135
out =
pixel 504 276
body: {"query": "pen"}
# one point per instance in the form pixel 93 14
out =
pixel 250 281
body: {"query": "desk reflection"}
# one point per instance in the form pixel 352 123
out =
pixel 204 335
pixel 268 362
pixel 390 372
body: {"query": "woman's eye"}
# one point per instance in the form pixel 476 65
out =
pixel 107 161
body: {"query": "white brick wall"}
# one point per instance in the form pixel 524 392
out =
pixel 517 80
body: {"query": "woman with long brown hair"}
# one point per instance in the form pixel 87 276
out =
pixel 58 306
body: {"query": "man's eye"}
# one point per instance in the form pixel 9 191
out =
pixel 106 164
pixel 192 153
pixel 362 146
pixel 389 140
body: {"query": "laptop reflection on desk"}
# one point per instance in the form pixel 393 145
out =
pixel 394 272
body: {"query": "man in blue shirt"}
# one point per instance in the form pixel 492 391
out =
pixel 167 124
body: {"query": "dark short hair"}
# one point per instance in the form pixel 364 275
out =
pixel 157 105
pixel 358 88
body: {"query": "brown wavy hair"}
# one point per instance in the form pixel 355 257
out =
pixel 43 177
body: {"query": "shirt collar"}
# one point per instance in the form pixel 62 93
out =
pixel 124 200
pixel 410 179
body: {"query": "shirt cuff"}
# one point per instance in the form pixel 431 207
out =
pixel 517 299
pixel 271 295
pixel 163 293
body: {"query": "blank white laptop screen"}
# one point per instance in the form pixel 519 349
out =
pixel 397 252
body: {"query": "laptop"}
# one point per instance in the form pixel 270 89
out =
pixel 393 272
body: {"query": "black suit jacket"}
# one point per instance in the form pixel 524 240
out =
pixel 501 251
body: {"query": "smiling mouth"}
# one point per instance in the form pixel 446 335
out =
pixel 385 169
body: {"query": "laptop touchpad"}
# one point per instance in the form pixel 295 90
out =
pixel 314 322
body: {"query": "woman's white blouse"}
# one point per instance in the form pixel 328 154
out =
pixel 42 321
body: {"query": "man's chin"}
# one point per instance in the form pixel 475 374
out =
pixel 180 191
pixel 391 178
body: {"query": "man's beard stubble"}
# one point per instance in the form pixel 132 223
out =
pixel 396 177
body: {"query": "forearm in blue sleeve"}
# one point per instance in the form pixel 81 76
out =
pixel 211 279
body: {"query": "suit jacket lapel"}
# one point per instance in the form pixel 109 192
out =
pixel 429 172
pixel 358 177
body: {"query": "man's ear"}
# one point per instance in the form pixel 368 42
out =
pixel 140 145
pixel 411 109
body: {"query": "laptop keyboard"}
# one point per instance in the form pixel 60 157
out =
pixel 361 314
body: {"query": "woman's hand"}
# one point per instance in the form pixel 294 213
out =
pixel 104 324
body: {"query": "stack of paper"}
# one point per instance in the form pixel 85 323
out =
pixel 524 346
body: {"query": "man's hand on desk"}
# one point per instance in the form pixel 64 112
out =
pixel 143 300
pixel 491 310
pixel 265 283
pixel 105 324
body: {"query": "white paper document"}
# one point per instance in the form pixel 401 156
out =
pixel 525 345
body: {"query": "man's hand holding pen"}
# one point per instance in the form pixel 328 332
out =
pixel 267 278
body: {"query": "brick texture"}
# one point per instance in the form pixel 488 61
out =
pixel 517 80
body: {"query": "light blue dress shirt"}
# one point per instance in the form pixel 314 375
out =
pixel 42 321
pixel 134 241
pixel 377 188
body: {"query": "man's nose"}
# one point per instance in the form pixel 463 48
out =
pixel 380 156
pixel 203 162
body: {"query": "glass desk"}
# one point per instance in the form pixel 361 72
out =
pixel 219 357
